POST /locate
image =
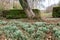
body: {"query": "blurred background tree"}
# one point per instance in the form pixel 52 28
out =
pixel 27 9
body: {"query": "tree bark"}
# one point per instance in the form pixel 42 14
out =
pixel 27 9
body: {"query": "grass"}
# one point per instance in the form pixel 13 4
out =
pixel 46 14
pixel 1 7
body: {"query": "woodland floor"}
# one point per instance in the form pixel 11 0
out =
pixel 45 18
pixel 48 20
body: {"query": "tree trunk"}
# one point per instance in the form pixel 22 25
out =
pixel 27 9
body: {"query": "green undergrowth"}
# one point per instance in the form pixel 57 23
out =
pixel 15 14
pixel 27 31
pixel 56 12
